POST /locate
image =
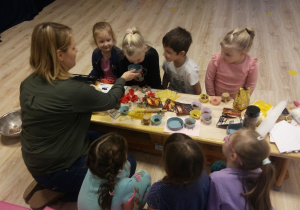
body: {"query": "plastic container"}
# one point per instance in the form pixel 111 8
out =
pixel 138 68
pixel 195 114
pixel 196 105
pixel 231 128
pixel 189 123
pixel 215 100
pixel 124 110
pixel 206 118
pixel 205 110
pixel 251 116
pixel 156 119
pixel 175 123
pixel 204 98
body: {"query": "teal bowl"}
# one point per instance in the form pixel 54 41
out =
pixel 156 119
pixel 138 68
pixel 124 110
pixel 189 123
pixel 231 128
pixel 175 123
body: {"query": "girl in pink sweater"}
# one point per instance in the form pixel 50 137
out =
pixel 233 67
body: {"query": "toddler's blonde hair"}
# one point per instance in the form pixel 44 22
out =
pixel 132 41
pixel 240 39
pixel 103 26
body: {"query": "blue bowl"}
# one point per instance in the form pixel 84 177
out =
pixel 124 110
pixel 156 119
pixel 189 123
pixel 175 123
pixel 231 128
pixel 138 68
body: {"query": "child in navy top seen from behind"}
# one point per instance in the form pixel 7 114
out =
pixel 249 176
pixel 186 184
pixel 136 51
pixel 181 73
pixel 106 56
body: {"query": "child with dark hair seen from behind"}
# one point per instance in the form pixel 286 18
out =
pixel 181 74
pixel 107 184
pixel 186 184
pixel 249 176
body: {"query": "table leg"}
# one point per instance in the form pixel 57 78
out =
pixel 282 171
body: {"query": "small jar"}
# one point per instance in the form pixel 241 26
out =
pixel 146 119
pixel 251 117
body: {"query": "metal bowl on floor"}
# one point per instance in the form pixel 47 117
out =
pixel 11 124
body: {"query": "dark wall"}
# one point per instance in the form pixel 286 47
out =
pixel 13 12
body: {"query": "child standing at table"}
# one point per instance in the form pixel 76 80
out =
pixel 243 184
pixel 136 51
pixel 106 56
pixel 181 73
pixel 106 184
pixel 185 185
pixel 233 68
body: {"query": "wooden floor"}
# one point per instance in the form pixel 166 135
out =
pixel 276 44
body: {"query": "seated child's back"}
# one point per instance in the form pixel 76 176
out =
pixel 186 185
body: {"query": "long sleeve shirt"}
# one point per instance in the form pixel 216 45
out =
pixel 223 77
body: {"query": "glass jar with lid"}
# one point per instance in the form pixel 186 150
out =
pixel 251 116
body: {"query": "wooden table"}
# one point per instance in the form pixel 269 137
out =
pixel 150 138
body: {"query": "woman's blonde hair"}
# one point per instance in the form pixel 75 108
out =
pixel 47 38
pixel 240 39
pixel 253 150
pixel 132 41
pixel 103 26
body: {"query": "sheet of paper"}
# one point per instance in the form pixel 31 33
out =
pixel 191 132
pixel 106 87
pixel 286 137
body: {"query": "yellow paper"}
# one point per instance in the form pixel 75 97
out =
pixel 134 114
pixel 165 94
pixel 264 107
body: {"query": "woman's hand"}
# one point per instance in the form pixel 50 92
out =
pixel 129 75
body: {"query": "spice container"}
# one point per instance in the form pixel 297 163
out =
pixel 196 105
pixel 206 118
pixel 146 119
pixel 251 117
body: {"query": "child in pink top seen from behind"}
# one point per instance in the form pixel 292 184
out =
pixel 233 68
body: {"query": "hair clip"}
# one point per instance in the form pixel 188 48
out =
pixel 259 138
pixel 128 45
pixel 266 161
pixel 111 193
pixel 247 31
pixel 129 31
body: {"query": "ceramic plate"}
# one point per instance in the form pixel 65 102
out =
pixel 175 123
